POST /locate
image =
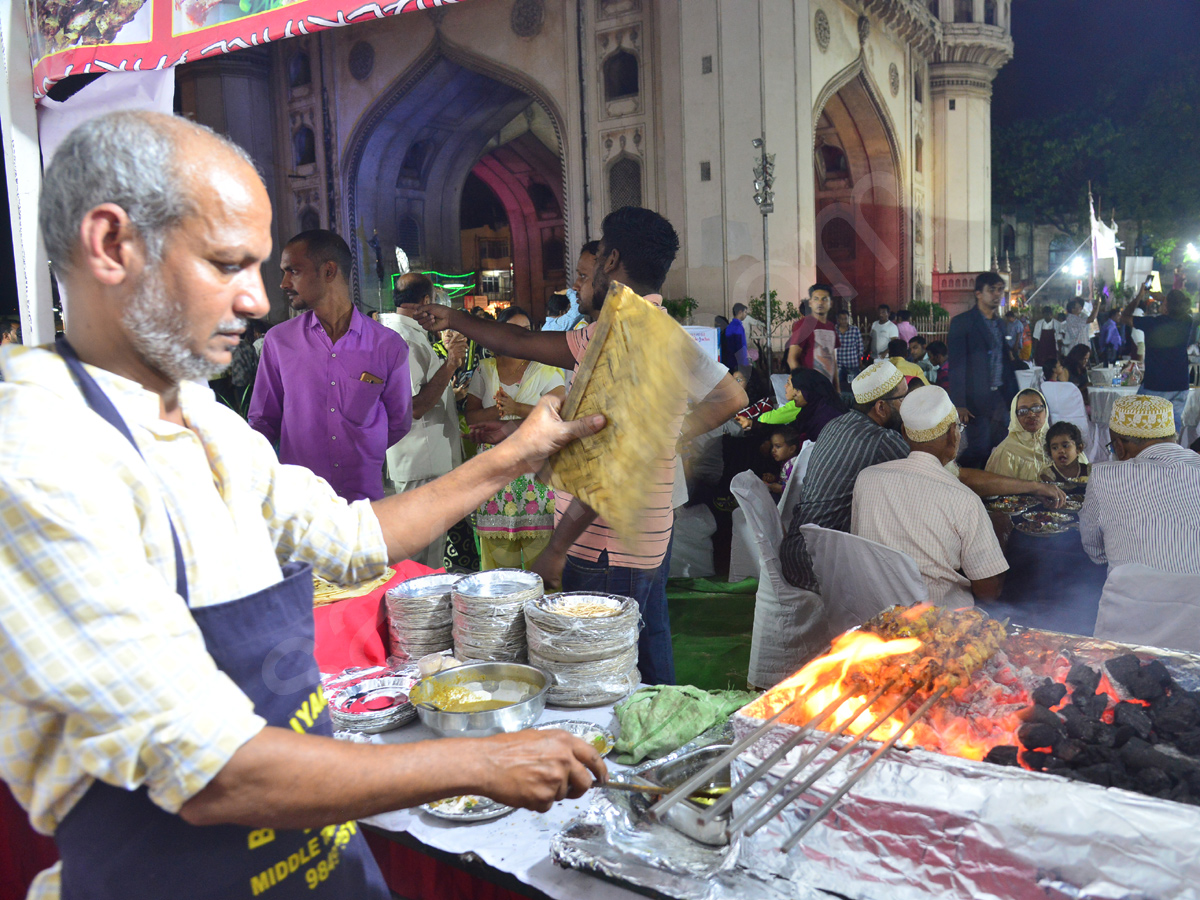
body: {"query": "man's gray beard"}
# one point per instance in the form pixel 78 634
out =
pixel 159 331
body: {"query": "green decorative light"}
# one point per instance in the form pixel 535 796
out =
pixel 453 285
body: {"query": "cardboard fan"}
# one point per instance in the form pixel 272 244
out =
pixel 632 373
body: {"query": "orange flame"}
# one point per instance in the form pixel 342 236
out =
pixel 826 677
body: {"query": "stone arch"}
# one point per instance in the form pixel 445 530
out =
pixel 448 81
pixel 871 200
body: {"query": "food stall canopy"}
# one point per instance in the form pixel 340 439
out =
pixel 72 37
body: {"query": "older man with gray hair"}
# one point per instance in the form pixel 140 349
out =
pixel 915 505
pixel 156 671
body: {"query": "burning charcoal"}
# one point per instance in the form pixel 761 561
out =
pixel 1145 685
pixel 1122 734
pixel 1034 759
pixel 1043 716
pixel 1104 735
pixel 1074 720
pixel 1133 715
pixel 1175 716
pixel 1084 678
pixel 1101 774
pixel 1153 780
pixel 1002 755
pixel 1123 669
pixel 1036 735
pixel 1091 705
pixel 1189 743
pixel 1071 751
pixel 1049 693
pixel 1138 755
pixel 1156 670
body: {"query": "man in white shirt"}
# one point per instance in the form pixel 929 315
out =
pixel 883 331
pixel 1076 328
pixel 434 444
pixel 1141 508
pixel 916 506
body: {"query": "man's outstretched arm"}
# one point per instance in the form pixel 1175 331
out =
pixel 549 347
pixel 412 519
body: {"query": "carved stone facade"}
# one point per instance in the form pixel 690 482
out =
pixel 567 110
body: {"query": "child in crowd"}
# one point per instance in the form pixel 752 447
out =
pixel 1064 445
pixel 785 447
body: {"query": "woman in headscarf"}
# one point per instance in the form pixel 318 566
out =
pixel 1023 453
pixel 819 403
pixel 811 404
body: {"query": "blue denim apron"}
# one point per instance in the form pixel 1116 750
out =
pixel 117 844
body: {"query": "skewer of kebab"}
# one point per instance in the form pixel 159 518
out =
pixel 954 645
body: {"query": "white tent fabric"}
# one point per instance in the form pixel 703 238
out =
pixel 789 623
pixel 860 578
pixel 1141 605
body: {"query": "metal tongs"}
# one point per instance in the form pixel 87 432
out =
pixel 743 821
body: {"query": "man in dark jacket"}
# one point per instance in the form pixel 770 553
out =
pixel 981 377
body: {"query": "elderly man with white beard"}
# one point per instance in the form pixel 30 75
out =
pixel 156 624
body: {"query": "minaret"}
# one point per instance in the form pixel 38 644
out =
pixel 977 42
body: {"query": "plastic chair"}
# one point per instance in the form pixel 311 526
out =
pixel 789 623
pixel 1064 403
pixel 791 492
pixel 1141 605
pixel 778 383
pixel 860 578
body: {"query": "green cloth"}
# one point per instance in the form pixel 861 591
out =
pixel 785 415
pixel 661 718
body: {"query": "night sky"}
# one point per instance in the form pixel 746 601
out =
pixel 1091 54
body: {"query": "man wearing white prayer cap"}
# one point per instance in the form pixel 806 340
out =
pixel 868 435
pixel 916 506
pixel 1141 508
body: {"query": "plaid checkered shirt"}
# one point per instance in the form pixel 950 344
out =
pixel 103 671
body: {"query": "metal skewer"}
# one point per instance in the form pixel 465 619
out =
pixel 805 759
pixel 820 773
pixel 824 809
pixel 762 768
pixel 703 777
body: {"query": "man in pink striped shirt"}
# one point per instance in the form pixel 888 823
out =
pixel 637 249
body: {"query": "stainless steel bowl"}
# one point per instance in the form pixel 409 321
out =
pixel 684 816
pixel 493 721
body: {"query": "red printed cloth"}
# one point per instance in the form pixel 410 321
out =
pixel 354 632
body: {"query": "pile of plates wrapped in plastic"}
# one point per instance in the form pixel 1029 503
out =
pixel 489 620
pixel 371 700
pixel 419 615
pixel 588 642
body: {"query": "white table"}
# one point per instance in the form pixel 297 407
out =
pixel 518 843
pixel 1101 400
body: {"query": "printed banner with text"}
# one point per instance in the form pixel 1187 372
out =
pixel 72 37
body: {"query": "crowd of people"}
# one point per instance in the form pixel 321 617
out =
pixel 371 439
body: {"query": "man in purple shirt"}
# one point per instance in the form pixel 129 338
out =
pixel 333 388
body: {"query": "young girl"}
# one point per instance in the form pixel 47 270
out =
pixel 1064 444
pixel 785 447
